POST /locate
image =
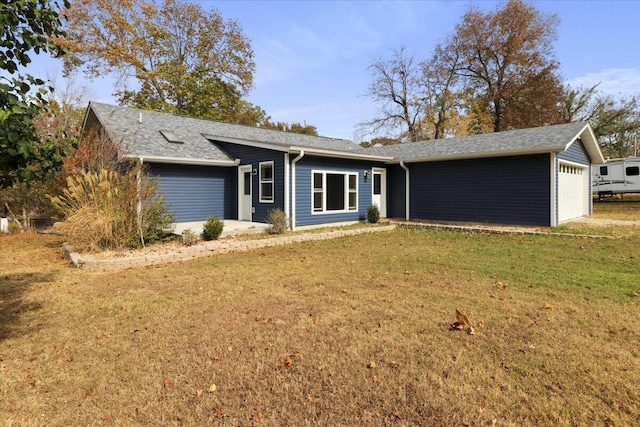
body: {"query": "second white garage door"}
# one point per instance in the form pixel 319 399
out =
pixel 572 192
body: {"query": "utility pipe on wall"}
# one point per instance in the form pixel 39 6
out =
pixel 406 190
pixel 293 189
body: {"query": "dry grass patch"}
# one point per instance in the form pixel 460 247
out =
pixel 617 207
pixel 343 332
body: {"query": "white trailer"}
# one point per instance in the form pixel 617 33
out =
pixel 616 176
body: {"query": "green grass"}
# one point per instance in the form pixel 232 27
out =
pixel 288 334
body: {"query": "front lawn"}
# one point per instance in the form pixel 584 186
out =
pixel 352 331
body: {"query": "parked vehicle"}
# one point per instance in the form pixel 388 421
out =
pixel 617 176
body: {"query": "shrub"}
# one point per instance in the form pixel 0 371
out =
pixel 189 237
pixel 14 228
pixel 212 228
pixel 373 214
pixel 278 222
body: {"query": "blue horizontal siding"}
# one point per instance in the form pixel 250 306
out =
pixel 304 168
pixel 254 156
pixel 396 194
pixel 576 153
pixel 508 190
pixel 197 192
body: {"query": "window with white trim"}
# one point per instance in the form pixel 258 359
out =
pixel 334 191
pixel 266 182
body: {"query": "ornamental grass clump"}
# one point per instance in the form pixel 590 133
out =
pixel 111 209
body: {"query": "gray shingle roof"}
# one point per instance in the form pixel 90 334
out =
pixel 143 137
pixel 522 141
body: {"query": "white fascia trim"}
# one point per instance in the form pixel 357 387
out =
pixel 183 161
pixel 481 155
pixel 590 142
pixel 338 154
pixel 246 142
pixel 570 163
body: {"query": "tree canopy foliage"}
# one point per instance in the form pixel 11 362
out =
pixel 172 56
pixel 497 71
pixel 615 121
pixel 295 127
pixel 27 27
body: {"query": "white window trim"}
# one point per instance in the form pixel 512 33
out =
pixel 324 210
pixel 272 182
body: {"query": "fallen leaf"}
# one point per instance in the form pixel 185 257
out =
pixel 345 291
pixel 212 388
pixel 257 417
pixel 548 306
pixel 167 382
pixel 372 365
pixel 216 357
pixel 218 411
pixel 462 318
pixel 288 362
pixel 502 285
pixel 99 336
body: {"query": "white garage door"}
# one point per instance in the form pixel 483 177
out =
pixel 572 192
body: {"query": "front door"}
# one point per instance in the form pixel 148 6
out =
pixel 245 204
pixel 379 197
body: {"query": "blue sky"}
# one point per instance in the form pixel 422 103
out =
pixel 312 57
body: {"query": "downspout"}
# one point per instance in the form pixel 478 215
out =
pixel 287 174
pixel 406 190
pixel 293 189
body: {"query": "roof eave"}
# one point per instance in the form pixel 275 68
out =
pixel 339 154
pixel 183 160
pixel 478 155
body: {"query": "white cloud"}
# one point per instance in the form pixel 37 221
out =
pixel 613 81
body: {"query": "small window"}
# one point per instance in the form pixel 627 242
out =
pixel 171 136
pixel 318 206
pixel 633 170
pixel 604 170
pixel 266 182
pixel 377 184
pixel 247 183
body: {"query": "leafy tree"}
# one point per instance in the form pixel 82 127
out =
pixel 27 27
pixel 396 88
pixel 381 141
pixel 615 121
pixel 181 58
pixel 295 127
pixel 506 64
